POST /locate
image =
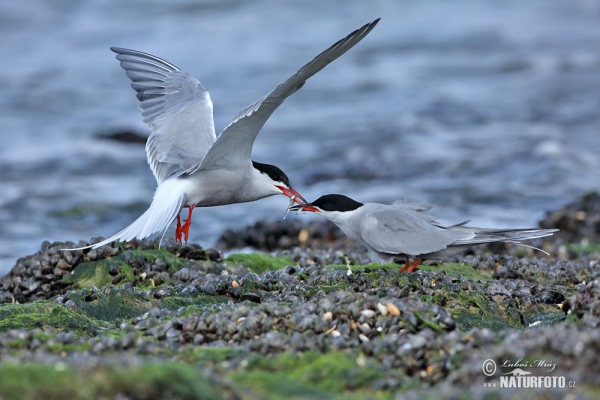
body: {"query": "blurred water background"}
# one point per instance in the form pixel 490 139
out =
pixel 487 109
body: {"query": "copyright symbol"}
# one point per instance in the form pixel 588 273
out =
pixel 489 367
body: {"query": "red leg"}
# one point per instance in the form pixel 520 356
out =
pixel 415 264
pixel 188 222
pixel 406 265
pixel 178 230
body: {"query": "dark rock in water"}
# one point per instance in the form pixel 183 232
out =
pixel 578 220
pixel 124 137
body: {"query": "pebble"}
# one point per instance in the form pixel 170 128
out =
pixel 382 309
pixel 392 309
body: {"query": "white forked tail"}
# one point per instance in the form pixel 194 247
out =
pixel 168 200
pixel 513 236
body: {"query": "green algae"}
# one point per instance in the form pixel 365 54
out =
pixel 210 355
pixel 333 375
pixel 46 315
pixel 430 324
pixel 38 381
pixel 473 310
pixel 175 263
pixel 194 303
pixel 58 381
pixel 583 249
pixel 476 310
pixel 96 273
pixel 91 273
pixel 467 319
pixel 64 348
pixel 259 263
pixel 463 270
pixel 112 304
pixel 278 386
pixel 466 271
pixel 363 267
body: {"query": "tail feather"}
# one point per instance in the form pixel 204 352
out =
pixel 505 235
pixel 168 200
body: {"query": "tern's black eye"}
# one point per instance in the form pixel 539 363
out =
pixel 273 172
pixel 336 202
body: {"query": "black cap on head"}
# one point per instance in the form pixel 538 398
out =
pixel 274 173
pixel 336 202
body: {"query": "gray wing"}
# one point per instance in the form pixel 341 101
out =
pixel 176 107
pixel 234 145
pixel 406 229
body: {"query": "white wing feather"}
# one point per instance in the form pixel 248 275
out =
pixel 178 109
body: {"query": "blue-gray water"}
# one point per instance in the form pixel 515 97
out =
pixel 490 110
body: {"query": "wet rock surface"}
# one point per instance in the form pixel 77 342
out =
pixel 314 317
pixel 577 221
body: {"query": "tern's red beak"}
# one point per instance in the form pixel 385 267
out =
pixel 305 207
pixel 289 192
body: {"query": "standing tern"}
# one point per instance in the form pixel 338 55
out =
pixel 404 229
pixel 194 168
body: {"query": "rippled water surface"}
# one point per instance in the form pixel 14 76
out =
pixel 488 110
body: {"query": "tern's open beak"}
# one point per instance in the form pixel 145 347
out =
pixel 305 207
pixel 291 193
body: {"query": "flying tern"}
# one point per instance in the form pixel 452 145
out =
pixel 404 229
pixel 194 168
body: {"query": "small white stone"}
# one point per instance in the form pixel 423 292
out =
pixel 382 309
pixel 368 313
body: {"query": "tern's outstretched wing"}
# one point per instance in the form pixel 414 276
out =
pixel 176 106
pixel 403 229
pixel 234 145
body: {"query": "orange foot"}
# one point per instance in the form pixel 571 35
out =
pixel 409 268
pixel 185 229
